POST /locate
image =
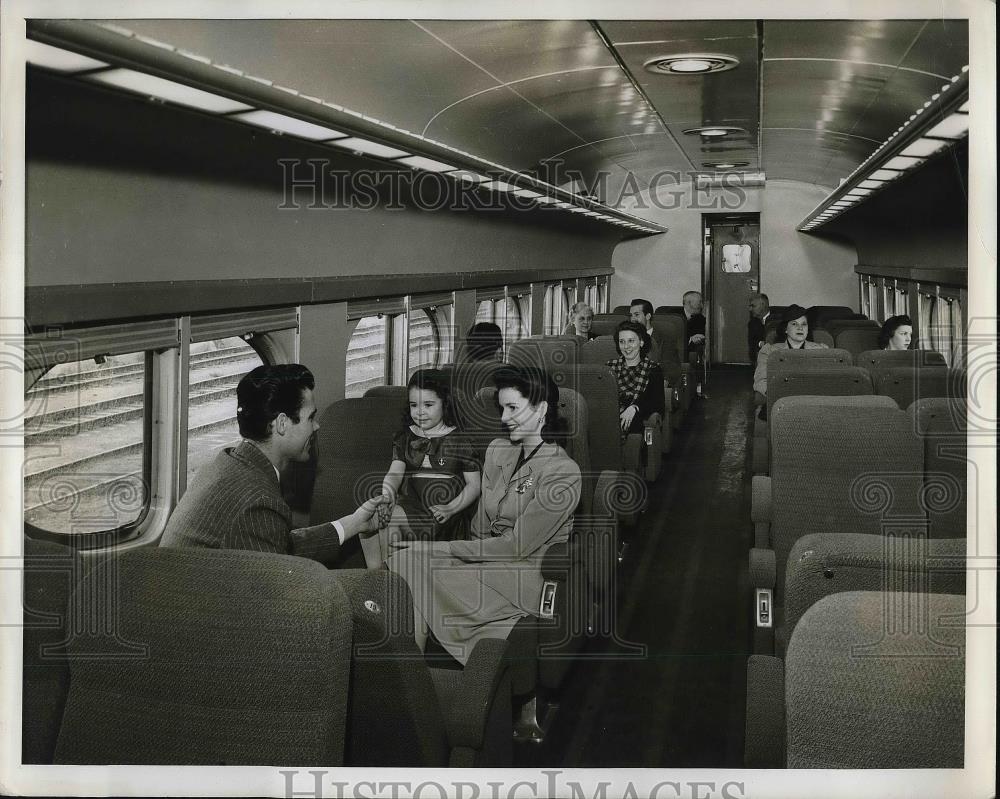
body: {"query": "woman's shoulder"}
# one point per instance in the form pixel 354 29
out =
pixel 816 345
pixel 560 461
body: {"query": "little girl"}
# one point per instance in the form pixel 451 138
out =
pixel 434 475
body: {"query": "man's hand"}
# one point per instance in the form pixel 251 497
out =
pixel 697 338
pixel 365 519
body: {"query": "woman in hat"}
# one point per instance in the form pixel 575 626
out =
pixel 793 333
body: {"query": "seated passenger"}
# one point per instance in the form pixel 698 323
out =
pixel 464 591
pixel 695 343
pixel 792 334
pixel 484 342
pixel 581 317
pixel 760 312
pixel 641 312
pixel 434 474
pixel 639 379
pixel 235 501
pixel 896 333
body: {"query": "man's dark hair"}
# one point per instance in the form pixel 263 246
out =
pixel 647 306
pixel 483 341
pixel 268 391
pixel 535 385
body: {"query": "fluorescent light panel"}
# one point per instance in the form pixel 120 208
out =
pixel 427 164
pixel 45 55
pixel 883 174
pixel 499 185
pixel 468 176
pixel 902 162
pixel 922 148
pixel 953 127
pixel 359 145
pixel 153 86
pixel 870 184
pixel 527 193
pixel 286 124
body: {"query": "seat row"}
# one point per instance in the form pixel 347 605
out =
pixel 220 657
pixel 862 498
pixel 882 378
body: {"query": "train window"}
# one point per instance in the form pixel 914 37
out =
pixel 423 341
pixel 484 311
pixel 366 356
pixel 941 327
pixel 518 315
pixel 85 432
pixel 215 369
pixel 901 301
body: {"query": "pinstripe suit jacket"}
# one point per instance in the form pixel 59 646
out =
pixel 235 503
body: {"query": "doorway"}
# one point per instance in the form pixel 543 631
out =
pixel 732 274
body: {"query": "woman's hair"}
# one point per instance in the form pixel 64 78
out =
pixel 534 385
pixel 483 341
pixel 576 307
pixel 889 329
pixel 266 392
pixel 437 381
pixel 645 342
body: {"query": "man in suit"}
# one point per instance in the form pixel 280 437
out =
pixel 760 312
pixel 235 501
pixel 693 303
pixel 641 312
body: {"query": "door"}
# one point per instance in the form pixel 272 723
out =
pixel 734 274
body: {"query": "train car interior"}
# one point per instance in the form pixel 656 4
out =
pixel 764 565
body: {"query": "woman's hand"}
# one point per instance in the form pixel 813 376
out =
pixel 441 513
pixel 627 416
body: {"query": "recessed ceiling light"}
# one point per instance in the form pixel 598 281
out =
pixel 366 147
pixel 284 124
pixel 468 176
pixel 724 164
pixel 499 185
pixel 45 55
pixel 870 184
pixel 162 89
pixel 690 64
pixel 883 174
pixel 713 131
pixel 527 193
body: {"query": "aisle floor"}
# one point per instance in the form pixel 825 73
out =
pixel 683 598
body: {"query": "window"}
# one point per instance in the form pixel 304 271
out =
pixel 215 370
pixel 366 356
pixel 926 303
pixel 902 300
pixel 423 341
pixel 556 310
pixel 941 327
pixel 85 435
pixel 484 312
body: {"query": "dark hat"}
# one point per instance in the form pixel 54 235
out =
pixel 793 312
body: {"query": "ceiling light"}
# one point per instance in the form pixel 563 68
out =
pixel 498 185
pixel 690 64
pixel 859 192
pixel 527 193
pixel 954 127
pixel 547 200
pixel 366 147
pixel 964 107
pixel 921 148
pixel 161 89
pixel 870 184
pixel 724 164
pixel 713 131
pixel 45 55
pixel 902 162
pixel 428 164
pixel 284 124
pixel 469 177
pixel 883 174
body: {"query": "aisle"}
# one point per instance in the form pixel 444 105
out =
pixel 681 596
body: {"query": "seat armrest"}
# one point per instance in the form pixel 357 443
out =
pixel 763 568
pixel 760 503
pixel 466 695
pixel 764 743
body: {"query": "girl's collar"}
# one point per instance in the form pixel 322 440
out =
pixel 421 434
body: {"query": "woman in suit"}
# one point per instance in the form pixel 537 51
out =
pixel 639 379
pixel 464 591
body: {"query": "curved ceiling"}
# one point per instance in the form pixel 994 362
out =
pixel 571 101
